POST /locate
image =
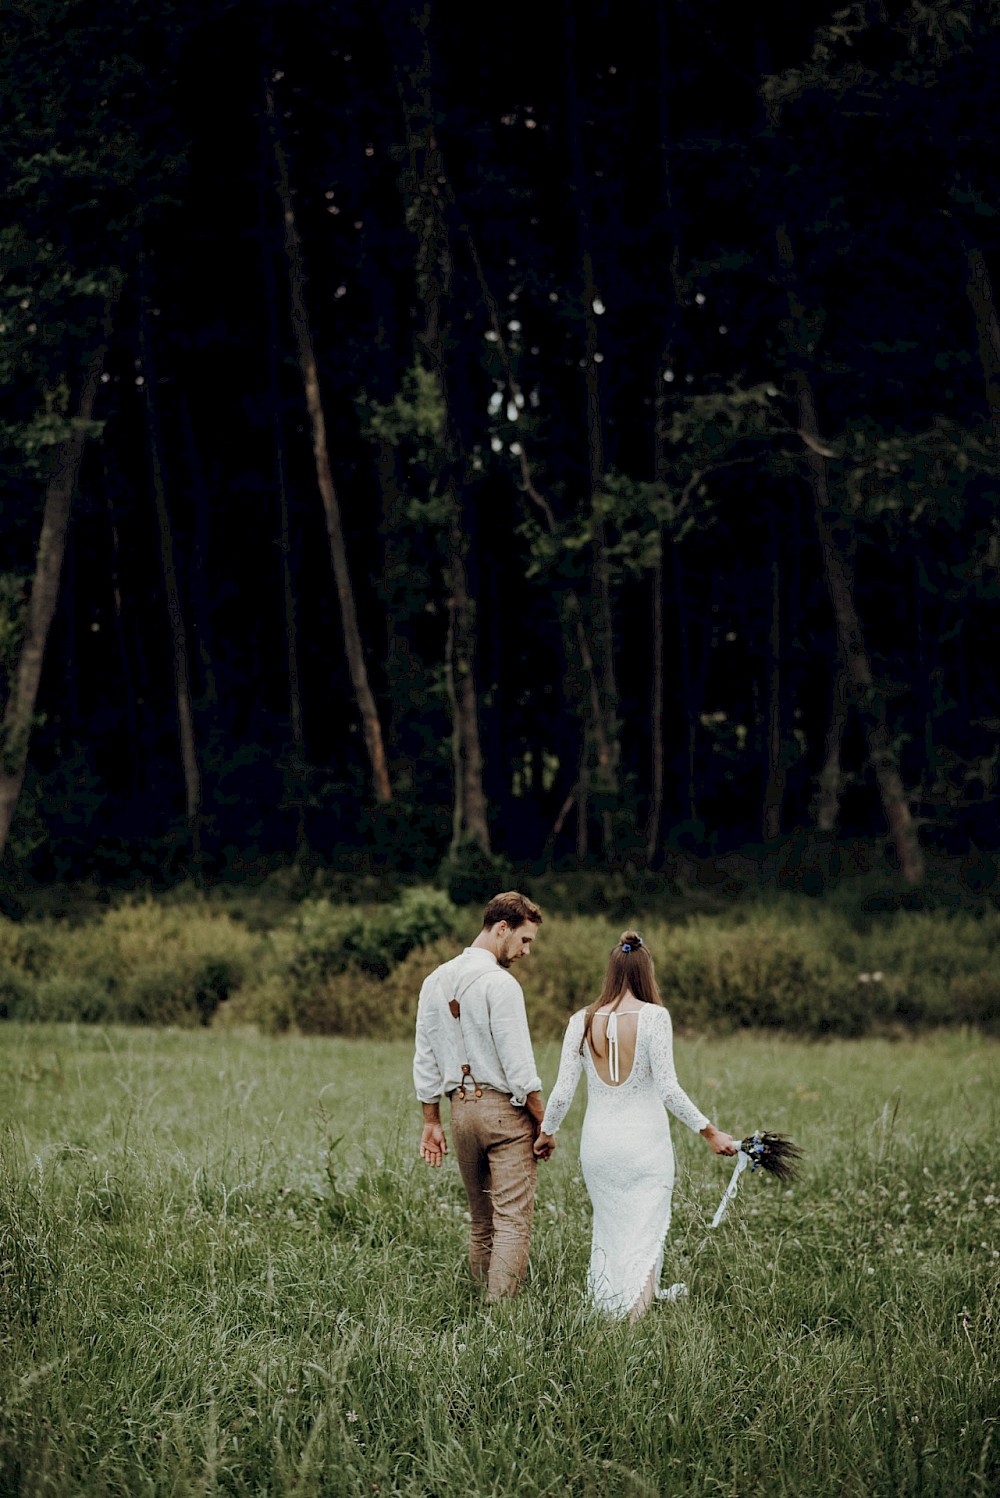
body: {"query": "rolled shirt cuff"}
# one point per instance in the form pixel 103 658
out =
pixel 519 1095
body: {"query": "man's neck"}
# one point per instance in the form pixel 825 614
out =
pixel 484 943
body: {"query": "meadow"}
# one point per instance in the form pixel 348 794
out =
pixel 223 1270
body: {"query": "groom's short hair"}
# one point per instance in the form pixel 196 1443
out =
pixel 512 907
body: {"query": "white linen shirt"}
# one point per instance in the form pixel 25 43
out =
pixel 494 1025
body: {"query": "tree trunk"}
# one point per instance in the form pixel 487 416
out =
pixel 661 418
pixel 656 711
pixel 289 612
pixel 70 707
pixel 288 600
pixel 604 728
pixel 201 569
pixel 19 709
pixel 828 799
pixel 470 823
pixel 929 666
pixel 839 580
pixel 774 790
pixel 838 571
pixel 980 294
pixel 428 195
pixel 399 666
pixel 458 779
pixel 581 815
pixel 576 639
pixel 135 758
pixel 687 687
pixel 178 633
pixel 324 477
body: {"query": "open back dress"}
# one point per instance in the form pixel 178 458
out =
pixel 625 1152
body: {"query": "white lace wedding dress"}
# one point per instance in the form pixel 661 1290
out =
pixel 626 1154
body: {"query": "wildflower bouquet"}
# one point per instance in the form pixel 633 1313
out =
pixel 761 1151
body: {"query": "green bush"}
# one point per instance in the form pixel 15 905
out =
pixel 761 973
pixel 975 999
pixel 808 965
pixel 63 998
pixel 13 993
pixel 772 966
pixel 471 876
pixel 138 964
pixel 267 1003
pixel 330 939
pixel 358 1004
pixel 606 892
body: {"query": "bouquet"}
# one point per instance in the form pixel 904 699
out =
pixel 773 1153
pixel 761 1151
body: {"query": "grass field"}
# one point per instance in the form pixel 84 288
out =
pixel 222 1270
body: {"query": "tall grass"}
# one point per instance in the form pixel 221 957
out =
pixel 222 1270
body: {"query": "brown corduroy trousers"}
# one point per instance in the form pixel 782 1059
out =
pixel 493 1145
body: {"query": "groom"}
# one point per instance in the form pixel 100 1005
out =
pixel 473 1046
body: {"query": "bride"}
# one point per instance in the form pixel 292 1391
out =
pixel 624 1042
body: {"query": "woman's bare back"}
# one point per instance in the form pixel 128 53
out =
pixel 602 1053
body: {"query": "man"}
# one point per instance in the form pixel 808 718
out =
pixel 473 1045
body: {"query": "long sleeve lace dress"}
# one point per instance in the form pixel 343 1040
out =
pixel 626 1155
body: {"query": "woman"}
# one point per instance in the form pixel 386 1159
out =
pixel 624 1042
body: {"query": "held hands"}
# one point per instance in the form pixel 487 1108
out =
pixel 718 1142
pixel 433 1144
pixel 544 1145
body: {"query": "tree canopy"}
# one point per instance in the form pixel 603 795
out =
pixel 654 362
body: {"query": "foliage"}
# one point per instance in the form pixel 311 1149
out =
pixel 472 876
pixel 842 965
pixel 12 606
pixel 78 183
pixel 931 481
pixel 58 815
pixel 140 964
pixel 120 183
pixel 330 939
pixel 222 1265
pixel 359 1005
pixel 415 414
pixel 853 54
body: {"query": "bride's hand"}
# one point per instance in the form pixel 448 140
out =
pixel 718 1142
pixel 544 1145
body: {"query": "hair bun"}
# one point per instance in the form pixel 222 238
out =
pixel 630 939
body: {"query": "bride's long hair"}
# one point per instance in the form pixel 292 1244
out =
pixel 628 972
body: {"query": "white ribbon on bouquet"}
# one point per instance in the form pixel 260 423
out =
pixel 742 1161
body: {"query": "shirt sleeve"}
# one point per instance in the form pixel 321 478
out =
pixel 661 1060
pixel 509 1028
pixel 427 1077
pixel 570 1066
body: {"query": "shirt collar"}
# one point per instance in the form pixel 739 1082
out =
pixel 481 952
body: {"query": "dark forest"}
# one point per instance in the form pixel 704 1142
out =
pixel 566 436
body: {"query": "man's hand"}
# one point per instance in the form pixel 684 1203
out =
pixel 433 1144
pixel 543 1146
